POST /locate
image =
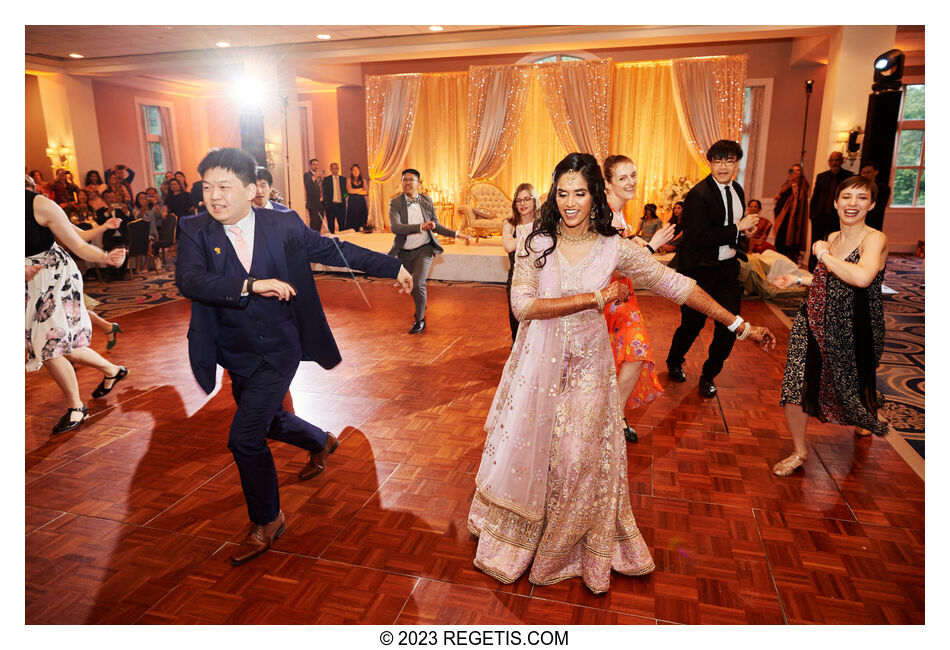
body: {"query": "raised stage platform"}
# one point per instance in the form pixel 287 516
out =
pixel 484 261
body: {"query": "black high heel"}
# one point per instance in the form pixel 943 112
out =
pixel 113 336
pixel 66 423
pixel 102 391
pixel 628 432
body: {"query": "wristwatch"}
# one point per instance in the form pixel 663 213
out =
pixel 250 285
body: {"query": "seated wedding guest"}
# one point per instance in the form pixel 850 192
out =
pixel 178 201
pixel 649 222
pixel 115 237
pixel 80 210
pixel 64 190
pixel 181 179
pixel 837 340
pixel 164 186
pixel 756 239
pixel 125 176
pixel 58 330
pixel 120 191
pixel 145 208
pixel 524 210
pixel 675 219
pixel 94 187
pixel 42 187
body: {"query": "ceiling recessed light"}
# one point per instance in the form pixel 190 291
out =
pixel 435 28
pixel 74 55
pixel 324 37
pixel 223 44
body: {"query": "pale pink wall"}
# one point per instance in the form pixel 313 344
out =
pixel 35 155
pixel 351 107
pixel 117 116
pixel 326 126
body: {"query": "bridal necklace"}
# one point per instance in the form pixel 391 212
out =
pixel 577 239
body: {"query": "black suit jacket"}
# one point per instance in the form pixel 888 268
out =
pixel 703 217
pixel 875 217
pixel 199 274
pixel 328 190
pixel 313 190
pixel 825 185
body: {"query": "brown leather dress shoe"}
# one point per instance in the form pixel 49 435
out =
pixel 259 539
pixel 318 459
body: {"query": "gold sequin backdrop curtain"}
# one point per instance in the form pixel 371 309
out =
pixel 438 148
pixel 577 95
pixel 709 93
pixel 536 149
pixel 390 116
pixel 644 127
pixel 497 97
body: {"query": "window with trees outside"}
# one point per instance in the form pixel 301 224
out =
pixel 909 155
pixel 157 127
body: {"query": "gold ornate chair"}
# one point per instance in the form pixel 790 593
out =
pixel 486 210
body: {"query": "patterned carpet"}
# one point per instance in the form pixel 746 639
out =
pixel 900 376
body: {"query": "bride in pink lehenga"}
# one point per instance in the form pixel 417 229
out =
pixel 551 492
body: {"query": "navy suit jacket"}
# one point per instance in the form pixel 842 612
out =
pixel 199 275
pixel 279 207
pixel 704 214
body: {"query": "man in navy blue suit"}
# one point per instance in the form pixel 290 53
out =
pixel 255 311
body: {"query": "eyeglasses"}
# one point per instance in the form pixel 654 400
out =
pixel 723 161
pixel 527 199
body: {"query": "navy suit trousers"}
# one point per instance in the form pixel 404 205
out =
pixel 260 416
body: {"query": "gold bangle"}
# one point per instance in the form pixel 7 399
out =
pixel 600 299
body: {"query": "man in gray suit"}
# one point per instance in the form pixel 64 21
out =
pixel 412 220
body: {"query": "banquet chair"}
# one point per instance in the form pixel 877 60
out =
pixel 138 245
pixel 167 234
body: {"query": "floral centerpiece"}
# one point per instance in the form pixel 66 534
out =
pixel 675 191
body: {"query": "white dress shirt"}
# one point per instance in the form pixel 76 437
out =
pixel 729 251
pixel 335 182
pixel 415 240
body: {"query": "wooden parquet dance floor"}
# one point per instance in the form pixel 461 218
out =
pixel 132 518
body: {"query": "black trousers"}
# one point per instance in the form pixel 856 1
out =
pixel 316 218
pixel 722 283
pixel 260 416
pixel 336 214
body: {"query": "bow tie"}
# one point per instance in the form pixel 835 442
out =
pixel 412 201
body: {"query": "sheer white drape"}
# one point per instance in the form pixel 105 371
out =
pixel 391 102
pixel 708 94
pixel 577 95
pixel 496 106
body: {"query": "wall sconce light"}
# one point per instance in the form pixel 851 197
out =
pixel 850 142
pixel 58 155
pixel 269 149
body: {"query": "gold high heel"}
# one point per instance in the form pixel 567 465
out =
pixel 789 465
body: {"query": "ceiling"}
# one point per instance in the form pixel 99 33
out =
pixel 100 41
pixel 185 59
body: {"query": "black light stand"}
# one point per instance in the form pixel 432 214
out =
pixel 808 87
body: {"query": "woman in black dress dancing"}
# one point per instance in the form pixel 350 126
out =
pixel 838 337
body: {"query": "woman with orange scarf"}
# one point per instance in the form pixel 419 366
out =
pixel 791 214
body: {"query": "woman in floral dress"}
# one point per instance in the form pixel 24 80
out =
pixel 838 337
pixel 636 375
pixel 551 491
pixel 58 331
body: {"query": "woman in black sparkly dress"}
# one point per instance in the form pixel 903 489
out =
pixel 838 337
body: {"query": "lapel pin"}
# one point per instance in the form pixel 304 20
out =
pixel 217 251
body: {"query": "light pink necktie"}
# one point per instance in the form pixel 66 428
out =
pixel 240 247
